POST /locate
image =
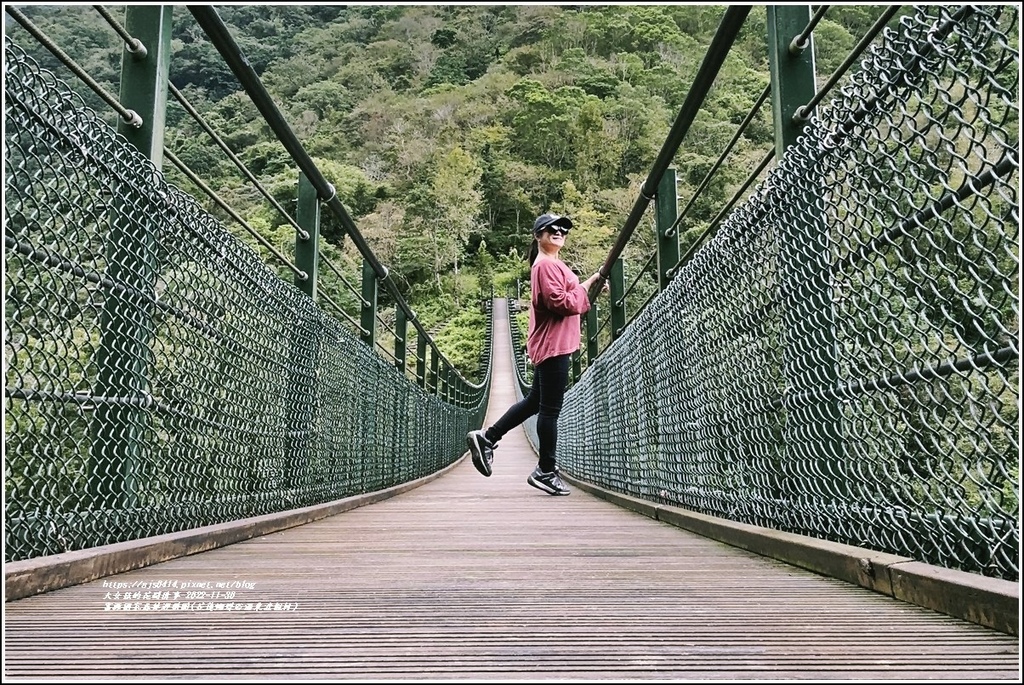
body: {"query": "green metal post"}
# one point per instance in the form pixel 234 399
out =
pixel 792 71
pixel 666 211
pixel 124 359
pixel 809 354
pixel 122 426
pixel 592 348
pixel 307 251
pixel 617 295
pixel 368 315
pixel 401 331
pixel 434 382
pixel 298 450
pixel 421 361
pixel 144 78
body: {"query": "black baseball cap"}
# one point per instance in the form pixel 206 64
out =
pixel 545 220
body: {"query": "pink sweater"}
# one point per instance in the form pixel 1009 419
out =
pixel 557 300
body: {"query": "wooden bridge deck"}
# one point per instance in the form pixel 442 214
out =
pixel 489 579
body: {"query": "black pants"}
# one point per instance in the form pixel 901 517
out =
pixel 550 378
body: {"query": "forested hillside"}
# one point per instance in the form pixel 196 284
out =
pixel 447 129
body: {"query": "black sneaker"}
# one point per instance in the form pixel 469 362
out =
pixel 482 450
pixel 548 482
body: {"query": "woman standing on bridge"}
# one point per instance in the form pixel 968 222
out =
pixel 557 300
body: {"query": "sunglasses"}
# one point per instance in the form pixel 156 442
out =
pixel 557 230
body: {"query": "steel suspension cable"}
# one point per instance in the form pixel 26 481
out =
pixel 988 177
pixel 130 116
pixel 337 272
pixel 180 97
pixel 133 45
pixel 639 275
pixel 355 324
pixel 234 215
pixel 138 51
pixel 721 159
pixel 798 42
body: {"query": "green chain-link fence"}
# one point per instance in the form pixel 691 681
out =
pixel 160 377
pixel 841 359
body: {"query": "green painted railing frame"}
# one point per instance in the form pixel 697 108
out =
pixel 666 205
pixel 307 249
pixel 810 359
pixel 126 328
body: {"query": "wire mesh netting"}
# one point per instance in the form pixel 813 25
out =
pixel 841 359
pixel 159 376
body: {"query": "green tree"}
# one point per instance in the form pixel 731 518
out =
pixel 455 189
